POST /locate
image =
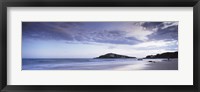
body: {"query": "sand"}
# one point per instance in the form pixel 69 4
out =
pixel 155 65
pixel 102 64
pixel 163 65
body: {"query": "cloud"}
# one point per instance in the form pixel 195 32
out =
pixel 111 47
pixel 157 30
pixel 169 33
pixel 153 45
pixel 114 37
pixel 139 32
pixel 126 33
pixel 44 31
pixel 169 24
pixel 152 25
pixel 74 32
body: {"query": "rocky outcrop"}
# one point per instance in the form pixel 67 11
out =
pixel 164 55
pixel 112 55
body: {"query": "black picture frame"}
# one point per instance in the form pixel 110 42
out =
pixel 98 3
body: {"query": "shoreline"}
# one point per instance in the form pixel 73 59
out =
pixel 153 65
pixel 120 65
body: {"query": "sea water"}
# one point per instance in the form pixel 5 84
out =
pixel 79 63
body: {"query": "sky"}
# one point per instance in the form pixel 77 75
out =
pixel 92 39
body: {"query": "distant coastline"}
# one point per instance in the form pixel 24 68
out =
pixel 160 55
pixel 164 55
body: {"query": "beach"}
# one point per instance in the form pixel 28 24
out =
pixel 152 65
pixel 100 64
pixel 163 65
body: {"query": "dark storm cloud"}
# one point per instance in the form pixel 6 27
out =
pixel 67 31
pixel 152 24
pixel 38 30
pixel 161 30
pixel 99 32
pixel 114 37
pixel 169 33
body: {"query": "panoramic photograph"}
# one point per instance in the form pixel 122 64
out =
pixel 117 45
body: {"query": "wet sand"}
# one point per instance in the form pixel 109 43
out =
pixel 163 65
pixel 101 64
pixel 153 65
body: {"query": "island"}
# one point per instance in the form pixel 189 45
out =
pixel 164 55
pixel 112 55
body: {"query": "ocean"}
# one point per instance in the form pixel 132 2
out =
pixel 80 63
